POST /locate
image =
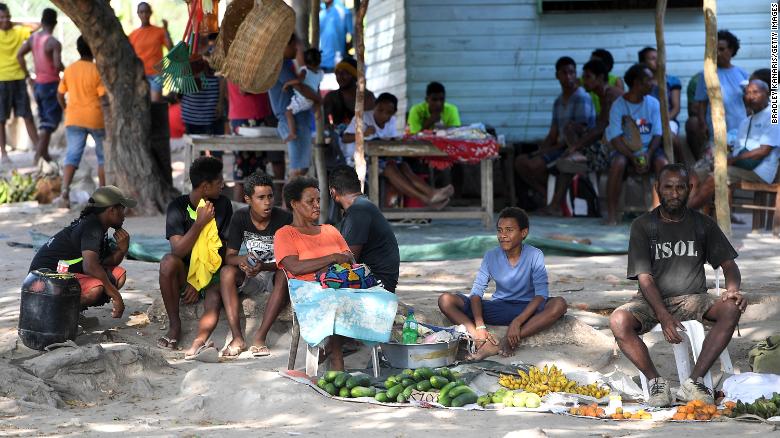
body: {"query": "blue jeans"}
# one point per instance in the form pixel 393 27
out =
pixel 155 83
pixel 300 148
pixel 49 110
pixel 77 141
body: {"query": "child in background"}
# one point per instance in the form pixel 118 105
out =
pixel 379 123
pixel 309 75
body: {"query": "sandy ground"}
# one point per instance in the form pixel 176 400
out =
pixel 162 395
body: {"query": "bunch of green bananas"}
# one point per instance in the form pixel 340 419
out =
pixel 18 188
pixel 762 407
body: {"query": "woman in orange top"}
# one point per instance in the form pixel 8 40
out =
pixel 148 41
pixel 305 247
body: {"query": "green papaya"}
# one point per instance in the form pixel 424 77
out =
pixel 458 390
pixel 438 382
pixel 444 372
pixel 464 399
pixel 344 392
pixel 321 383
pixel 362 391
pixel 407 372
pixel 446 388
pixel 330 376
pixel 331 389
pixel 381 397
pixel 423 386
pixel 390 382
pixel 408 391
pixel 357 381
pixel 445 400
pixel 341 380
pixel 392 393
pixel 408 382
pixel 423 373
pixel 401 399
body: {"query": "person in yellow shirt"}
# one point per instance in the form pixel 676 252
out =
pixel 13 89
pixel 83 115
pixel 148 41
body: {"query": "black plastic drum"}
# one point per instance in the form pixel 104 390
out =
pixel 49 312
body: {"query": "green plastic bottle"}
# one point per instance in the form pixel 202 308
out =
pixel 409 335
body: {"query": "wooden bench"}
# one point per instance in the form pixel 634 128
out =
pixel 420 149
pixel 765 205
pixel 195 144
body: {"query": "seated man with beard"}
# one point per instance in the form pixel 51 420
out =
pixel 666 254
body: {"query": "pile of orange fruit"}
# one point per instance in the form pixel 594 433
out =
pixel 591 410
pixel 638 415
pixel 697 410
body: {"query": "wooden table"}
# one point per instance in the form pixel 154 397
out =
pixel 195 144
pixel 421 149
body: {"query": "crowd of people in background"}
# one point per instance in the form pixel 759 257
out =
pixel 602 123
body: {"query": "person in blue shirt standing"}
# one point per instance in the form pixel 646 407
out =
pixel 335 24
pixel 521 299
pixel 731 80
pixel 299 148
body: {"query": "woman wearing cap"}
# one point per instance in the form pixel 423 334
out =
pixel 83 246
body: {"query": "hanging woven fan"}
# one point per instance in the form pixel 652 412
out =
pixel 176 70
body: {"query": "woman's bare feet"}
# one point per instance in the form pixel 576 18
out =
pixel 197 344
pixel 234 348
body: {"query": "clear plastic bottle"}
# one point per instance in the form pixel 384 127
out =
pixel 409 335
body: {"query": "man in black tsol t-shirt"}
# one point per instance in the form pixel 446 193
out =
pixel 666 254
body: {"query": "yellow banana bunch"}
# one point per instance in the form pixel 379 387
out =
pixel 548 379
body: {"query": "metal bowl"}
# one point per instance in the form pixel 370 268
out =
pixel 420 355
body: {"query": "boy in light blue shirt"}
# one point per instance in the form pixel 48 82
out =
pixel 634 113
pixel 521 298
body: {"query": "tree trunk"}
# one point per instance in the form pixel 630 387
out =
pixel 660 77
pixel 319 146
pixel 129 160
pixel 722 209
pixel 360 97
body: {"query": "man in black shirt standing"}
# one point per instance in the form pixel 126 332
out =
pixel 183 223
pixel 666 254
pixel 84 247
pixel 368 234
pixel 253 226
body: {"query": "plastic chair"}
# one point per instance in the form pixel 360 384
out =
pixel 693 338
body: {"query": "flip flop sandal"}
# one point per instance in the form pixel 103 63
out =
pixel 259 351
pixel 166 342
pixel 232 352
pixel 204 353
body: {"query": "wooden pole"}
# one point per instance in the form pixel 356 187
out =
pixel 660 77
pixel 722 209
pixel 360 156
pixel 319 143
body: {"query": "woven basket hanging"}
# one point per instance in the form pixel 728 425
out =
pixel 255 57
pixel 235 13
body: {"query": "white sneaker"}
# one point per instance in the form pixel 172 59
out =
pixel 695 390
pixel 660 394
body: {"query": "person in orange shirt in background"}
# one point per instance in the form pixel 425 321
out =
pixel 148 41
pixel 83 115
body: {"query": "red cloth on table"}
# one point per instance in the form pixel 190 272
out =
pixel 458 150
